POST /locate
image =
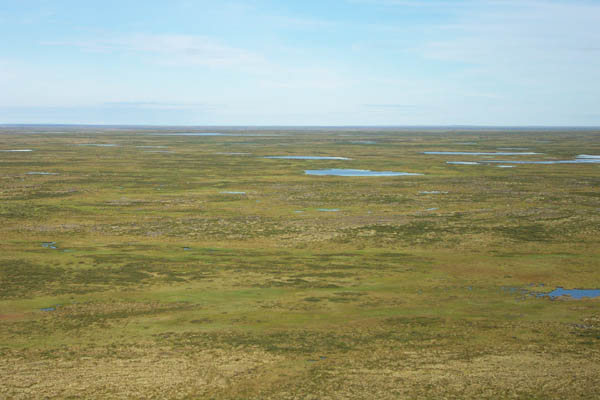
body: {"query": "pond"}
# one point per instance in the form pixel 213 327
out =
pixel 475 153
pixel 232 192
pixel 16 150
pixel 308 158
pixel 329 209
pixel 576 294
pixel 98 144
pixel 49 245
pixel 355 172
pixel 578 160
pixel 462 162
pixel 42 173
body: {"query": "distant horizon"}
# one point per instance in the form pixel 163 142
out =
pixel 275 126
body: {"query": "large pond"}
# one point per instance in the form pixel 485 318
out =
pixel 355 172
pixel 574 293
pixel 308 157
pixel 474 153
pixel 16 150
pixel 462 162
pixel 581 159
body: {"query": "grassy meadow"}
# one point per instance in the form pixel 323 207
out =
pixel 127 270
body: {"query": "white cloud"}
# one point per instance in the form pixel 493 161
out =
pixel 173 49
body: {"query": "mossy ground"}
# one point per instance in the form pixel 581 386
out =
pixel 163 287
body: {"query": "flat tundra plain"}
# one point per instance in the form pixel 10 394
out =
pixel 140 263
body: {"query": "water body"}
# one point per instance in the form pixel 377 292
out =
pixel 586 156
pixel 506 166
pixel 16 150
pixel 42 173
pixel 474 153
pixel 231 192
pixel 433 192
pixel 355 172
pixel 577 294
pixel 583 160
pixel 462 162
pixel 308 158
pixel 48 309
pixel 329 209
pixel 98 144
pixel 432 209
pixel 49 245
pixel 194 134
pixel 152 147
pixel 362 142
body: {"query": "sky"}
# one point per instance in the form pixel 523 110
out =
pixel 309 62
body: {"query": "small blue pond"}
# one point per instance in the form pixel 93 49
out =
pixel 42 173
pixel 578 160
pixel 329 209
pixel 231 192
pixel 49 245
pixel 18 150
pixel 473 153
pixel 355 172
pixel 462 162
pixel 308 158
pixel 573 293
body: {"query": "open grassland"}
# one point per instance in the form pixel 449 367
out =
pixel 129 272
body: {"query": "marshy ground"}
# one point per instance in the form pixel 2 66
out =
pixel 141 265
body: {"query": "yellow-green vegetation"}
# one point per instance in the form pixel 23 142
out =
pixel 161 285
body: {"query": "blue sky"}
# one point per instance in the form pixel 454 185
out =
pixel 327 62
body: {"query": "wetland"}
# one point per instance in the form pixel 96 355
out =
pixel 395 272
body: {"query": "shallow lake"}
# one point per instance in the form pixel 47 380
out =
pixel 17 150
pixel 42 173
pixel 355 172
pixel 308 158
pixel 232 192
pixel 98 144
pixel 329 209
pixel 474 153
pixel 573 293
pixel 462 162
pixel 578 160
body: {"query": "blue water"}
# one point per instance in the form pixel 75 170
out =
pixel 231 192
pixel 577 294
pixel 98 144
pixel 308 158
pixel 16 150
pixel 355 172
pixel 576 161
pixel 42 173
pixel 48 309
pixel 195 134
pixel 472 153
pixel 329 209
pixel 362 142
pixel 49 245
pixel 462 162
